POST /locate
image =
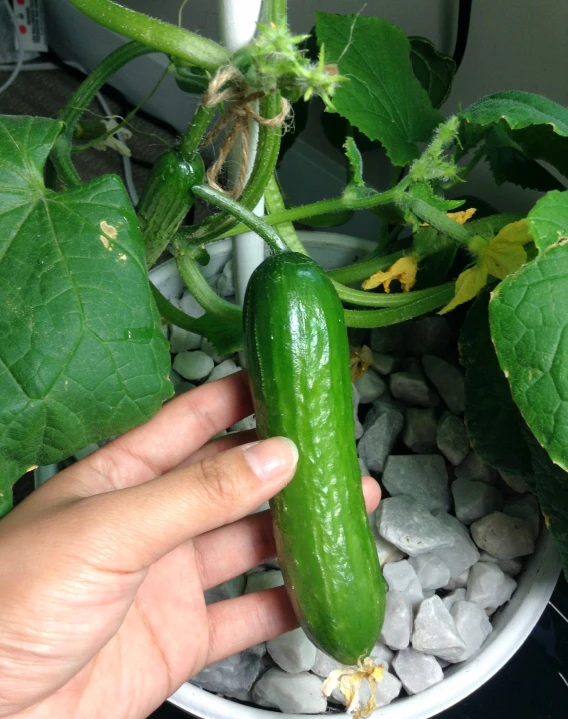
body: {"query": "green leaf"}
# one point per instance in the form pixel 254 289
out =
pixel 518 110
pixel 434 71
pixel 224 335
pixel 548 220
pixel 382 97
pixel 551 487
pixel 490 225
pixel 492 418
pixel 540 142
pixel 82 354
pixel 529 326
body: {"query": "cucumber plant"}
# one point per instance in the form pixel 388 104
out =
pixel 83 357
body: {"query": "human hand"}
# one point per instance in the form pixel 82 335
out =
pixel 104 567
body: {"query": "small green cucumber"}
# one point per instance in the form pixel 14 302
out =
pixel 298 358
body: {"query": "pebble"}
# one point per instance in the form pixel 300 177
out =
pixel 228 590
pixel 525 507
pixel 472 624
pixel 387 689
pixel 463 553
pixel 427 335
pixel 474 468
pixel 384 364
pixel 402 579
pixel 452 439
pixel 411 388
pixel 292 693
pixel 380 653
pixel 264 580
pixel 181 340
pixel 409 526
pixel 363 467
pixel 387 340
pixel 397 626
pixel 417 671
pixel 489 586
pixel 448 380
pixel 243 425
pixel 502 536
pixel 423 477
pixel 387 552
pixel 323 664
pixel 359 431
pixel 516 482
pixel 234 674
pixel 193 365
pixel 190 305
pixel 225 286
pixel 224 369
pixel 292 651
pixel 435 632
pixel 420 430
pixel 450 599
pixel 378 440
pixel 512 567
pixel 459 582
pixel 432 573
pixel 474 500
pixel 370 387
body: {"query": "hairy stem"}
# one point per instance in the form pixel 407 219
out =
pixel 195 132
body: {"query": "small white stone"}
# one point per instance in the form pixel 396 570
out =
pixel 512 567
pixel 402 578
pixel 387 689
pixel 409 526
pixel 397 626
pixel 431 571
pixel 459 582
pixel 525 507
pixel 292 693
pixel 193 365
pixel 233 674
pixel 421 476
pixel 435 632
pixel 292 651
pixel 210 350
pixel 517 482
pixel 503 536
pixel 359 431
pixel 181 340
pixel 264 507
pixel 474 500
pixel 417 671
pixel 190 305
pixel 448 380
pixel 224 369
pixel 387 552
pixel 458 595
pixel 264 580
pixel 370 387
pixel 363 467
pixel 489 586
pixel 323 664
pixel 420 430
pixel 411 388
pixel 383 363
pixel 427 335
pixel 452 439
pixel 224 285
pixel 228 590
pixel 463 553
pixel 381 654
pixel 474 468
pixel 472 625
pixel 243 425
pixel 379 438
pixel 388 339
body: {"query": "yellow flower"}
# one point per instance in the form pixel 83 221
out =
pixel 468 284
pixel 461 216
pixel 360 361
pixel 403 270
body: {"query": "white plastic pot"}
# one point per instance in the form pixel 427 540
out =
pixel 511 626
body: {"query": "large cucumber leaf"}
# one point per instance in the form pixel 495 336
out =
pixel 381 96
pixel 434 71
pixel 82 355
pixel 548 220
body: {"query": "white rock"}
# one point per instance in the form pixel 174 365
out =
pixel 472 625
pixel 431 571
pixel 190 305
pixel 409 526
pixel 387 689
pixel 210 350
pixel 264 580
pixel 417 671
pixel 517 482
pixel 292 693
pixel 402 578
pixel 463 553
pixel 474 468
pixel 474 500
pixel 525 507
pixel 420 430
pixel 388 339
pixel 370 387
pixel 427 335
pixel 422 476
pixel 458 595
pixel 387 552
pixel 512 567
pixel 459 582
pixel 503 536
pixel 224 285
pixel 411 388
pixel 435 632
pixel 193 365
pixel 323 664
pixel 224 369
pixel 489 586
pixel 397 626
pixel 452 439
pixel 228 590
pixel 181 340
pixel 243 425
pixel 292 651
pixel 378 440
pixel 363 467
pixel 358 428
pixel 381 654
pixel 448 380
pixel 263 508
pixel 383 363
pixel 233 674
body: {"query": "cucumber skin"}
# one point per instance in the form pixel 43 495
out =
pixel 298 358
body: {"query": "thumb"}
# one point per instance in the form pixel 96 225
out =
pixel 149 520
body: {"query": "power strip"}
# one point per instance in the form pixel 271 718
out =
pixel 30 19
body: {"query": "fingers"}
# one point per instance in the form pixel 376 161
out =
pixel 150 520
pixel 222 444
pixel 371 492
pixel 236 624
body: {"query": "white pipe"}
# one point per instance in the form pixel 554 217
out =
pixel 238 25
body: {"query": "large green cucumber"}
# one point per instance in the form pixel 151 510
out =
pixel 298 358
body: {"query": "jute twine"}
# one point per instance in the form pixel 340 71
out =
pixel 240 112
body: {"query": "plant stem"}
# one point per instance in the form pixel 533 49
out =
pixel 274 11
pixel 200 289
pixel 161 36
pixel 170 312
pixel 398 299
pixel 439 296
pixel 252 221
pixel 195 132
pixel 360 271
pixel 437 219
pixel 274 204
pixel 80 101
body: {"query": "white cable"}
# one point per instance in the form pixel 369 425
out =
pixel 31 66
pixel 18 66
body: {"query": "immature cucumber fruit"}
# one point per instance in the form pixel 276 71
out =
pixel 298 358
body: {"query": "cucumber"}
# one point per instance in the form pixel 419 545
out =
pixel 298 359
pixel 166 200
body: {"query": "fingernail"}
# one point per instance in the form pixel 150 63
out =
pixel 271 458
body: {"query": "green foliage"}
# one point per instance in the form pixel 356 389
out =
pixel 548 220
pixel 82 354
pixel 434 71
